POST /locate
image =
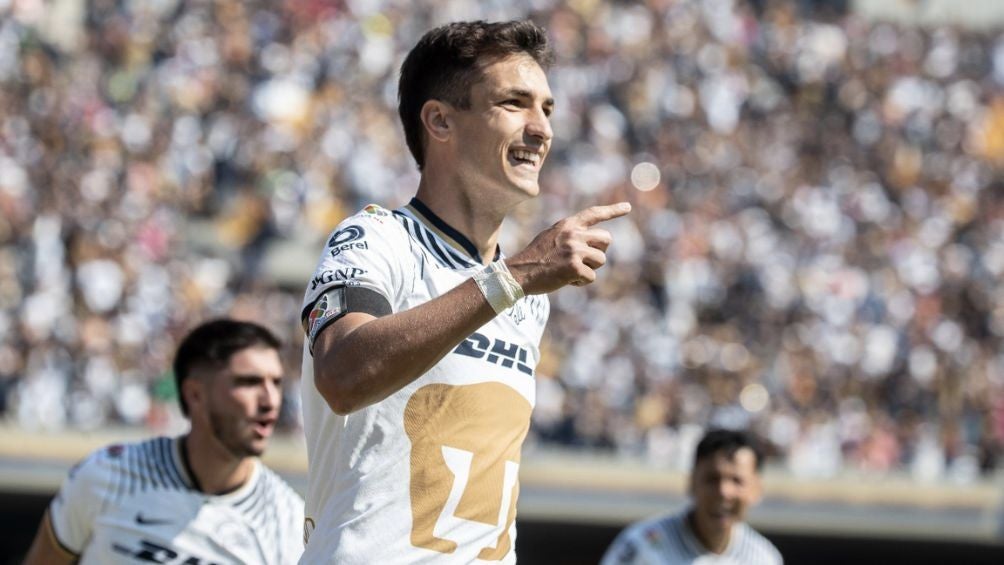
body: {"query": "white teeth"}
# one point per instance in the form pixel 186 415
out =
pixel 533 158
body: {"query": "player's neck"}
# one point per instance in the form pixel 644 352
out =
pixel 475 218
pixel 213 468
pixel 714 541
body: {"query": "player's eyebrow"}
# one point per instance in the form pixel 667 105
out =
pixel 253 377
pixel 517 92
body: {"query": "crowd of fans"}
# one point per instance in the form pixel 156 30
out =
pixel 817 234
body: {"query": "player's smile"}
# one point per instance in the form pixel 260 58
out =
pixel 723 487
pixel 508 122
pixel 526 158
pixel 724 516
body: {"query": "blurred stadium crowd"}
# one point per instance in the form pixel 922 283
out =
pixel 815 251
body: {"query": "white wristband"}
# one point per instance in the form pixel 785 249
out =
pixel 499 287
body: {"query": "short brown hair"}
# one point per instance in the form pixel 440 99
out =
pixel 211 344
pixel 444 65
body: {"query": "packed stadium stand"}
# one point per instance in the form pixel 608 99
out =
pixel 815 253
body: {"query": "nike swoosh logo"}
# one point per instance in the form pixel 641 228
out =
pixel 150 521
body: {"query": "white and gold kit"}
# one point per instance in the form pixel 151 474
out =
pixel 669 540
pixel 138 503
pixel 429 474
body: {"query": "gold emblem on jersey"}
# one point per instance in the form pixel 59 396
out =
pixel 465 453
pixel 308 528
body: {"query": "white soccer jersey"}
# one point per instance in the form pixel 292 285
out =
pixel 429 474
pixel 668 540
pixel 137 503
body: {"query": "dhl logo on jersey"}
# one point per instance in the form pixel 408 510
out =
pixel 497 351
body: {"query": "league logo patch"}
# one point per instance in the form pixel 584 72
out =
pixel 374 210
pixel 328 307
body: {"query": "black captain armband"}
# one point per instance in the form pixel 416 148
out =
pixel 339 301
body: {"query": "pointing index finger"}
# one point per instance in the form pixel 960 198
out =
pixel 596 214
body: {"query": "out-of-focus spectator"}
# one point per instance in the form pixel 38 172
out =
pixel 815 252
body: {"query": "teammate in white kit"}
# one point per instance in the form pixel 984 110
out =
pixel 724 483
pixel 422 336
pixel 203 498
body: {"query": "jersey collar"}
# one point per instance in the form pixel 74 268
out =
pixel 691 539
pixel 446 232
pixel 184 469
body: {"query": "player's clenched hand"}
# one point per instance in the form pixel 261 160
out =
pixel 569 252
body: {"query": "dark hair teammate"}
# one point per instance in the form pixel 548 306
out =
pixel 724 484
pixel 203 497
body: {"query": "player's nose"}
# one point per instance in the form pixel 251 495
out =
pixel 538 125
pixel 269 397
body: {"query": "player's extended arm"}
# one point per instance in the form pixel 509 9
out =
pixel 45 550
pixel 361 359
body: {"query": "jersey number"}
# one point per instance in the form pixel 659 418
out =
pixel 465 457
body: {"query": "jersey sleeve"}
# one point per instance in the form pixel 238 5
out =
pixel 368 255
pixel 771 554
pixel 622 551
pixel 629 548
pixel 80 499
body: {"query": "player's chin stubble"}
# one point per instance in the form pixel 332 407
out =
pixel 227 431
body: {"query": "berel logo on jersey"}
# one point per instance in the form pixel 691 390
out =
pixel 495 351
pixel 333 275
pixel 347 238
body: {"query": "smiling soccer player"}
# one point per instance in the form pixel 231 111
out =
pixel 724 484
pixel 418 371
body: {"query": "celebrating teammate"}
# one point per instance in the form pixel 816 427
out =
pixel 422 336
pixel 200 498
pixel 724 483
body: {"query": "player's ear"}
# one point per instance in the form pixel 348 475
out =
pixel 436 120
pixel 193 390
